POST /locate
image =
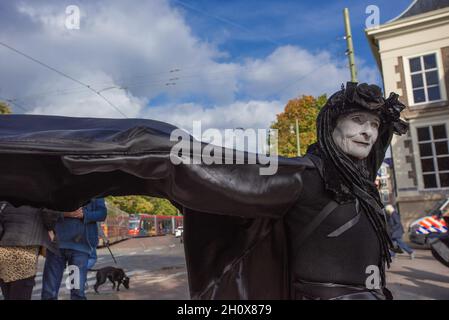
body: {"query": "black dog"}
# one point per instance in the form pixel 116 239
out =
pixel 114 275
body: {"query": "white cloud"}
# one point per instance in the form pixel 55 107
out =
pixel 251 114
pixel 144 47
pixel 135 45
pixel 82 102
pixel 292 71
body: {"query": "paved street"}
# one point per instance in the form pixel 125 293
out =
pixel 155 265
pixel 420 279
pixel 157 270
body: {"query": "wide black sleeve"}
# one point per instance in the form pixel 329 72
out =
pixel 61 163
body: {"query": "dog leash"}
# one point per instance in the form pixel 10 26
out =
pixel 113 258
pixel 106 241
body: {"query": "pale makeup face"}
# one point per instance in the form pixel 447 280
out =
pixel 356 133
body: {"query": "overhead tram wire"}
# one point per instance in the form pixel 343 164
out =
pixel 75 90
pixel 162 82
pixel 111 85
pixel 63 74
pixel 183 80
pixel 283 88
pixel 177 81
pixel 67 92
pixel 170 73
pixel 172 69
pixel 224 20
pixel 178 78
pixel 124 86
pixel 177 69
pixel 300 78
pixel 12 101
pixel 249 31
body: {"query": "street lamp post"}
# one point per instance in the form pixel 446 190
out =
pixel 298 145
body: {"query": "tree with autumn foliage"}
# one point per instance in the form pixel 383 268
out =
pixel 4 108
pixel 144 204
pixel 305 109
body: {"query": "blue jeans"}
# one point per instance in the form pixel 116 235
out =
pixel 54 271
pixel 92 259
pixel 401 244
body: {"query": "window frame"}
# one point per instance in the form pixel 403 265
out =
pixel 414 125
pixel 408 78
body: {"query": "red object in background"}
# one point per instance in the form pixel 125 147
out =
pixel 133 232
pixel 144 225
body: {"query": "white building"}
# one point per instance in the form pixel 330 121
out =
pixel 412 52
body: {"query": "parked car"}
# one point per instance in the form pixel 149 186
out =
pixel 430 226
pixel 178 231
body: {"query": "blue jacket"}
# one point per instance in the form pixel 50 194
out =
pixel 82 234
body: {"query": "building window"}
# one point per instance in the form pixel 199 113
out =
pixel 424 78
pixel 434 155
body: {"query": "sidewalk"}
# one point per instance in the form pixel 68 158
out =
pixel 423 278
pixel 164 284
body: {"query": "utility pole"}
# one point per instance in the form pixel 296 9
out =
pixel 350 49
pixel 297 138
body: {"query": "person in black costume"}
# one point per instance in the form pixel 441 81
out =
pixel 333 251
pixel 247 236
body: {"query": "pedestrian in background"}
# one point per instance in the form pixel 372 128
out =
pixel 24 232
pixel 76 232
pixel 397 230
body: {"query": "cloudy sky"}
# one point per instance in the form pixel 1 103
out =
pixel 228 63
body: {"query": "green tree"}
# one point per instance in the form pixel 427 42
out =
pixel 305 109
pixel 132 204
pixel 4 108
pixel 163 207
pixel 144 204
pixel 113 210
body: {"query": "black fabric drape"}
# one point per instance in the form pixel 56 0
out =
pixel 234 238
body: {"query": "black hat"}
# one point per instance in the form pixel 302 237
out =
pixel 364 97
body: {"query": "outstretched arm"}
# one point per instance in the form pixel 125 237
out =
pixel 61 163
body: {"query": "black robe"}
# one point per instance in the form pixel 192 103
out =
pixel 235 240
